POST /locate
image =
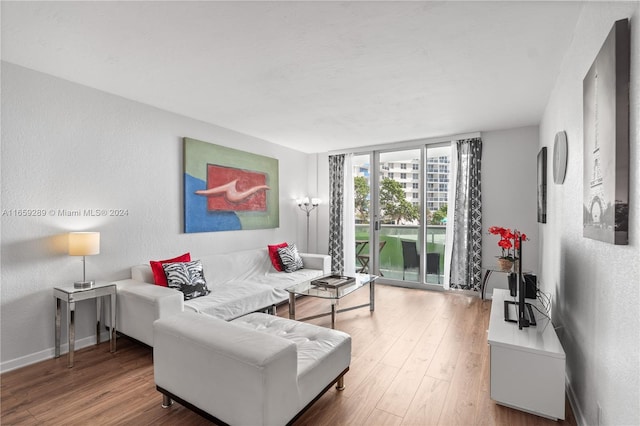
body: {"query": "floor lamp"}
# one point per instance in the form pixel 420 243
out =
pixel 307 205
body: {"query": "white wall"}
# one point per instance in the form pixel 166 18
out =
pixel 508 194
pixel 66 146
pixel 595 285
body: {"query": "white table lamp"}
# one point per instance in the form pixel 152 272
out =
pixel 84 244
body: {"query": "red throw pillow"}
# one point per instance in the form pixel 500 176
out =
pixel 158 272
pixel 275 257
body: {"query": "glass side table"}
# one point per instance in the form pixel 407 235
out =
pixel 71 295
pixel 487 274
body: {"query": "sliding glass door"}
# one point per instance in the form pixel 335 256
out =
pixel 401 214
pixel 437 193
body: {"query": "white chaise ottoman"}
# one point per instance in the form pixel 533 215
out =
pixel 255 370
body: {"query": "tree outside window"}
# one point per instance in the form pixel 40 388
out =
pixel 438 216
pixel 361 199
pixel 394 204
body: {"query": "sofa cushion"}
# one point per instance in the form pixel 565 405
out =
pixel 274 256
pixel 159 276
pixel 291 260
pixel 186 277
pixel 323 353
pixel 234 299
pixel 242 265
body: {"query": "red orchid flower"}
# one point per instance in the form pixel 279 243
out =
pixel 508 240
pixel 496 230
pixel 505 244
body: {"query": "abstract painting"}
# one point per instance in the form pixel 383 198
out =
pixel 226 189
pixel 606 140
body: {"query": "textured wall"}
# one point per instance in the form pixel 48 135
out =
pixel 66 146
pixel 594 285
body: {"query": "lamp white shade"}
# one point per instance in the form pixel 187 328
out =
pixel 84 243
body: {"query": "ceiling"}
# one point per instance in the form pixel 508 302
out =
pixel 313 76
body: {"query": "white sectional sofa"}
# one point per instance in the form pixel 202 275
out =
pixel 255 370
pixel 240 283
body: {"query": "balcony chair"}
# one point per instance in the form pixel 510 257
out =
pixel 410 256
pixel 433 264
pixel 411 259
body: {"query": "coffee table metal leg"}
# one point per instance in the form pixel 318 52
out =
pixel 333 315
pixel 372 295
pixel 292 306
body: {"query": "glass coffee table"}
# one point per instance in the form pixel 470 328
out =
pixel 334 294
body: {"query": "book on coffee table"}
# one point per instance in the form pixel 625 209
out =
pixel 332 281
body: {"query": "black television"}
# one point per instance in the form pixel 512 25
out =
pixel 524 310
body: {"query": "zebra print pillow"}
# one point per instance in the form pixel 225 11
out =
pixel 291 260
pixel 188 277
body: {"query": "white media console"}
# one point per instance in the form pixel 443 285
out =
pixel 528 365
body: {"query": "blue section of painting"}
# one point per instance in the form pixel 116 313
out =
pixel 196 216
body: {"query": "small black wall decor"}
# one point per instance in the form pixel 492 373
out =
pixel 542 185
pixel 606 140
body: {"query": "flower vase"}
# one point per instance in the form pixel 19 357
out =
pixel 505 265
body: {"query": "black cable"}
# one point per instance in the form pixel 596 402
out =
pixel 545 300
pixel 543 313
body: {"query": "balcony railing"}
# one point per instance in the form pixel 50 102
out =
pixel 391 257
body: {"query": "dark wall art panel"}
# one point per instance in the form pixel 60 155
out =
pixel 542 185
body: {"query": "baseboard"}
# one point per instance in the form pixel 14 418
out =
pixel 575 407
pixel 14 364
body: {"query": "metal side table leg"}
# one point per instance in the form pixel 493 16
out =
pixel 112 331
pixel 98 318
pixel 71 322
pixel 483 286
pixel 57 325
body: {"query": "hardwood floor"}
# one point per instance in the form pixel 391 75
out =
pixel 420 359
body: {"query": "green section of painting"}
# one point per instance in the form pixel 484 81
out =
pixel 197 154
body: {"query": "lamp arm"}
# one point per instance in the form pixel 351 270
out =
pixel 307 207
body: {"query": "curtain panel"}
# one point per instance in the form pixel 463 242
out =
pixel 466 257
pixel 336 212
pixel 349 228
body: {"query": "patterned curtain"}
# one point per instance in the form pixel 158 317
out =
pixel 466 256
pixel 336 216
